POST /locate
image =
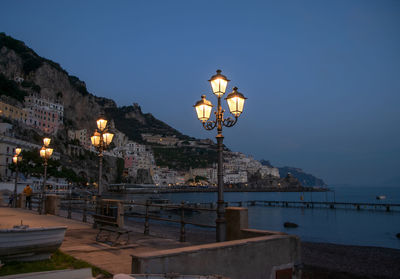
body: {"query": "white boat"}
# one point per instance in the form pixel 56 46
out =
pixel 380 197
pixel 22 243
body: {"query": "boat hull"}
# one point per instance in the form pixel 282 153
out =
pixel 30 244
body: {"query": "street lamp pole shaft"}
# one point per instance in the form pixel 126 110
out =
pixel 100 171
pixel 42 210
pixel 220 222
pixel 15 186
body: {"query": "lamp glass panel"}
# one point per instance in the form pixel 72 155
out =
pixel 15 159
pixel 18 151
pixel 95 140
pixel 46 141
pixel 101 124
pixel 43 152
pixel 107 138
pixel 219 86
pixel 236 105
pixel 49 152
pixel 203 112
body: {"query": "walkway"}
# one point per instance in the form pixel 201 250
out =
pixel 80 241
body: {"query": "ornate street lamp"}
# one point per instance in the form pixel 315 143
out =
pixel 203 108
pixel 16 159
pixel 101 139
pixel 45 153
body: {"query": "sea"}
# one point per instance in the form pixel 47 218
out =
pixel 340 226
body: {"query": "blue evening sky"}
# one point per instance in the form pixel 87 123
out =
pixel 322 77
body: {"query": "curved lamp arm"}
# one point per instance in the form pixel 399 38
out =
pixel 229 122
pixel 209 125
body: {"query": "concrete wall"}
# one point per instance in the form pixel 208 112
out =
pixel 255 258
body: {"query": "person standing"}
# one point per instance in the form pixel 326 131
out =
pixel 28 195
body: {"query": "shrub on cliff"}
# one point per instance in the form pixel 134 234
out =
pixel 10 88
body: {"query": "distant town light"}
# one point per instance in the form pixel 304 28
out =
pixel 235 101
pixel 218 83
pixel 203 109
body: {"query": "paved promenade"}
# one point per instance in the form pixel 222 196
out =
pixel 80 240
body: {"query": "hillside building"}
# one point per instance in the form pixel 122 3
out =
pixel 169 141
pixel 44 114
pixel 13 112
pixel 7 151
pixel 81 135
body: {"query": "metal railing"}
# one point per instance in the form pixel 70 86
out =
pixel 147 216
pixel 82 208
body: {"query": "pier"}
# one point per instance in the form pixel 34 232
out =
pixel 388 207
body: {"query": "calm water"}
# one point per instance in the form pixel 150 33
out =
pixel 342 226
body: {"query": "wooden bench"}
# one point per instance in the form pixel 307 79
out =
pixel 109 224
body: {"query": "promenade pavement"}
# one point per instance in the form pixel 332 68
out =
pixel 80 240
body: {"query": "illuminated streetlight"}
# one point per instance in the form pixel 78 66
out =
pixel 16 159
pixel 101 139
pixel 203 108
pixel 45 153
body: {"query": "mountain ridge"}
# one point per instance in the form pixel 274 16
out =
pixel 49 80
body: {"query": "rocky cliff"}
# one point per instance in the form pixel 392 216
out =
pixel 305 179
pixel 81 108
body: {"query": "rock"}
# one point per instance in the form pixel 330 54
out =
pixel 398 235
pixel 290 225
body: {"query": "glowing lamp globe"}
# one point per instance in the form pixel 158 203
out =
pixel 46 141
pixel 49 152
pixel 218 83
pixel 235 101
pixel 43 152
pixel 95 139
pixel 18 151
pixel 107 138
pixel 101 124
pixel 15 159
pixel 203 109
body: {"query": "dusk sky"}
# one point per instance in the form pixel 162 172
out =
pixel 322 77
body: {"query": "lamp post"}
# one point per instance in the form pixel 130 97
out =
pixel 203 108
pixel 101 139
pixel 16 159
pixel 45 153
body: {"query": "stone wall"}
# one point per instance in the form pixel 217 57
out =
pixel 248 253
pixel 256 258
